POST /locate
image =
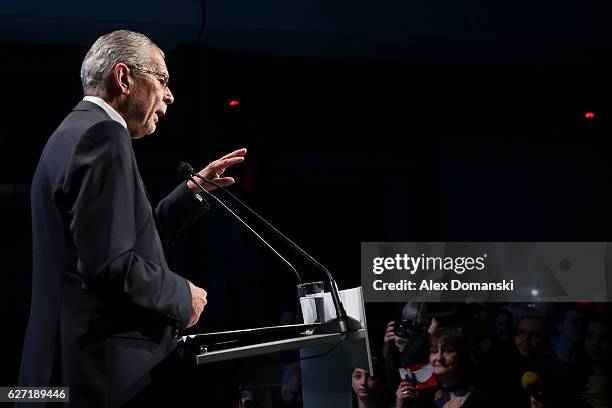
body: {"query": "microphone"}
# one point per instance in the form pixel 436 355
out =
pixel 342 323
pixel 532 385
pixel 186 171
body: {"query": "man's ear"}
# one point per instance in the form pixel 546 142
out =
pixel 121 78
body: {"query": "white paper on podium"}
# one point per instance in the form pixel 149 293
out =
pixel 352 299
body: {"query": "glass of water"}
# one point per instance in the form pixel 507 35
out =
pixel 312 301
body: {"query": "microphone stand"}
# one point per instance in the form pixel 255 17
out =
pixel 342 323
pixel 297 274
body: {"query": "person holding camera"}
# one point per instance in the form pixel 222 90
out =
pixel 406 341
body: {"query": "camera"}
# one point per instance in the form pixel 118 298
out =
pixel 406 328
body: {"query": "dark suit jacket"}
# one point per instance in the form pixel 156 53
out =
pixel 102 291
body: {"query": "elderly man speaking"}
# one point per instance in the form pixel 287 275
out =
pixel 106 306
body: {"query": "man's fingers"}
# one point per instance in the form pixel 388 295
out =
pixel 218 167
pixel 193 320
pixel 225 181
pixel 215 169
pixel 239 152
pixel 223 164
pixel 202 299
pixel 198 301
pixel 198 308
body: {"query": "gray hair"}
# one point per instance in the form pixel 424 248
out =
pixel 121 46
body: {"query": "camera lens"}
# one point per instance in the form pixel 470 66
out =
pixel 400 328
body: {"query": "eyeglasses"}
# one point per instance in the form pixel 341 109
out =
pixel 162 78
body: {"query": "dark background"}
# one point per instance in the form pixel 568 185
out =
pixel 364 120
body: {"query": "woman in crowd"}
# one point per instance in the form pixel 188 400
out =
pixel 450 355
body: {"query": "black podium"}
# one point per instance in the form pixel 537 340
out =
pixel 326 360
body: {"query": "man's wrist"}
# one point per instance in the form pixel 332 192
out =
pixel 192 187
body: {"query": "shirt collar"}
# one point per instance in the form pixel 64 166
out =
pixel 107 108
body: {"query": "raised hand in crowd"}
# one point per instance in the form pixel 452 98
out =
pixel 405 396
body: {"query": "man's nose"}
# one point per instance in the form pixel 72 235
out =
pixel 168 97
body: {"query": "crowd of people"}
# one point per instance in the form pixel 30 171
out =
pixel 503 355
pixel 470 355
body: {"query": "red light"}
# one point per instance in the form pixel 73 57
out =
pixel 234 102
pixel 589 115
